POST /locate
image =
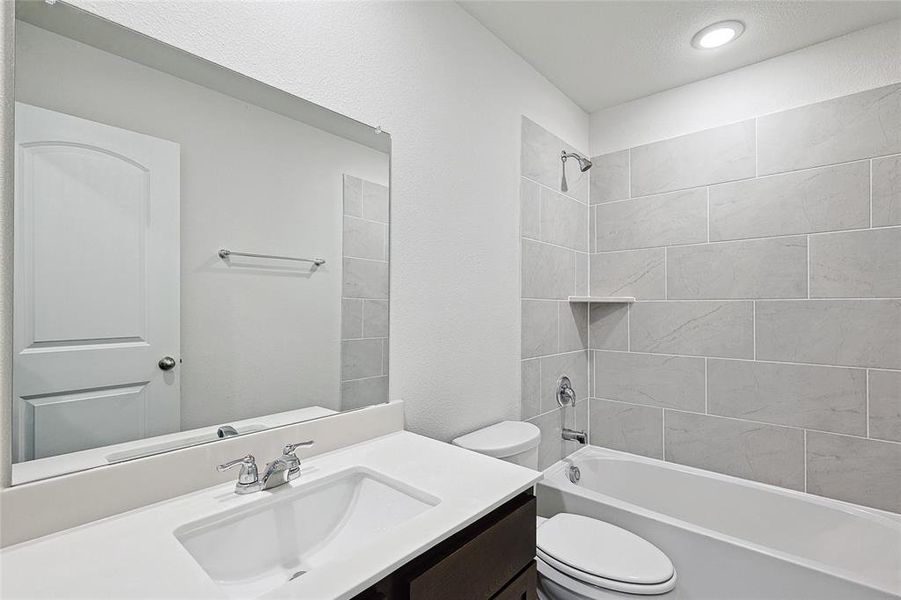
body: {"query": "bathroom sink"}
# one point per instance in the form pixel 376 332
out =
pixel 292 531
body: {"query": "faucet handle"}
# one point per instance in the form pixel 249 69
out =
pixel 248 478
pixel 290 448
pixel 291 460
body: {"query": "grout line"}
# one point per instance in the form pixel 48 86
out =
pixel 665 276
pixel 708 214
pixel 706 386
pixel 754 327
pixel 807 279
pixel 867 396
pixel 629 170
pixel 871 193
pixel 764 361
pixel 805 460
pixel 756 151
pixel 747 239
pixel 628 328
pixel 554 189
pixel 663 432
pixel 742 419
pixel 531 239
pixel 749 299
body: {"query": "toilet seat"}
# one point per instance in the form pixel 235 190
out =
pixel 581 553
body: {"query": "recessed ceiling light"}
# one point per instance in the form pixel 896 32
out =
pixel 718 34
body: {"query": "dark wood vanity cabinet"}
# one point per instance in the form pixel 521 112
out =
pixel 494 558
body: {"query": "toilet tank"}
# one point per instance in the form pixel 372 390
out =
pixel 512 441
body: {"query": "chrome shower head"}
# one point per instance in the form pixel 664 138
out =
pixel 584 165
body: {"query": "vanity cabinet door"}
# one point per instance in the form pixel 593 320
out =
pixel 483 565
pixel 524 587
pixel 490 559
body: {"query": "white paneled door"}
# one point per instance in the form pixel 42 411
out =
pixel 96 285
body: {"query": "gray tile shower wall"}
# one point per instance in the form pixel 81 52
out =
pixel 765 258
pixel 554 248
pixel 364 302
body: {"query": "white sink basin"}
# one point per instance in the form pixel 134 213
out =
pixel 294 530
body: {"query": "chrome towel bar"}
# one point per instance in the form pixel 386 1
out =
pixel 224 253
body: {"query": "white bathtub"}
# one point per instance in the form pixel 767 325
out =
pixel 730 538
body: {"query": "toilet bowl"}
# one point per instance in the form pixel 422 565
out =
pixel 579 558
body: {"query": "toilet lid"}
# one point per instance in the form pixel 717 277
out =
pixel 603 550
pixel 502 439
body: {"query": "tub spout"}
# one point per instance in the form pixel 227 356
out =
pixel 575 436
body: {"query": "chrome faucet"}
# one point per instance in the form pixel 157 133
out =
pixel 278 472
pixel 571 435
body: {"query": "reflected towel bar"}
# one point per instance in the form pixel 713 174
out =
pixel 225 253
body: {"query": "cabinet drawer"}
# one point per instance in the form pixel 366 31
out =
pixel 484 564
pixel 524 587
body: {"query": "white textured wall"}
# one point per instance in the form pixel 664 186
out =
pixel 451 95
pixel 859 61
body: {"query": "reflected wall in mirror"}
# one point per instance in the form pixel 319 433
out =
pixel 197 255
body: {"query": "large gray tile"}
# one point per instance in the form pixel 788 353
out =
pixel 540 161
pixel 627 427
pixel 815 200
pixel 539 328
pixel 363 392
pixel 529 209
pixel 756 451
pixel 385 356
pixel 375 318
pixel 361 358
pixel 856 333
pixel 351 318
pixel 572 364
pixel 365 239
pixel 855 470
pixel 887 191
pixel 375 202
pixel 856 264
pixel 547 271
pixel 610 177
pixel 365 279
pixel 531 388
pixel 638 273
pixel 608 327
pixel 564 221
pixel 771 268
pixel 654 380
pixel 582 274
pixel 844 129
pixel 592 229
pixel 677 218
pixel 353 196
pixel 723 329
pixel 712 156
pixel 551 446
pixel 885 405
pixel 573 326
pixel 825 398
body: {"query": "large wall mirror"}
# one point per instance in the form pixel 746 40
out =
pixel 197 255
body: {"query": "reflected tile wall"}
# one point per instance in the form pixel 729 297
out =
pixel 765 257
pixel 364 303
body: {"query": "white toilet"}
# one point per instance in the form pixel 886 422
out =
pixel 579 558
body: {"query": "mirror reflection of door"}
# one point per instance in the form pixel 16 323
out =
pixel 96 285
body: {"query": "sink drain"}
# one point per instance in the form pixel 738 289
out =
pixel 296 575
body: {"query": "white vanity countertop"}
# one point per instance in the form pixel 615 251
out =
pixel 136 554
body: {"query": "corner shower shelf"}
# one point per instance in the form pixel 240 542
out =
pixel 602 299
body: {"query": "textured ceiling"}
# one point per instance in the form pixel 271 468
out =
pixel 603 53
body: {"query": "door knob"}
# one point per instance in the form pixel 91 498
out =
pixel 166 363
